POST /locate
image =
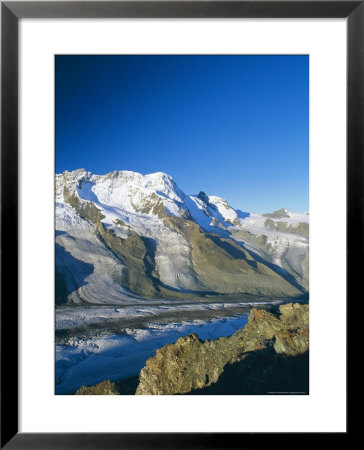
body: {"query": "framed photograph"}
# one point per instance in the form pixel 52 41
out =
pixel 181 190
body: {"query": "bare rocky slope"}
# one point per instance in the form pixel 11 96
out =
pixel 106 387
pixel 191 364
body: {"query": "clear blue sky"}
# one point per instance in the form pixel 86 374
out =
pixel 232 126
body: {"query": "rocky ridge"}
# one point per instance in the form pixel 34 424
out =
pixel 106 387
pixel 191 364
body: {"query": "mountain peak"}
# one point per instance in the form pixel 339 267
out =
pixel 202 196
pixel 282 213
pixel 162 175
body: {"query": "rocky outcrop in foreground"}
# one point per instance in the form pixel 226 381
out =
pixel 191 364
pixel 107 387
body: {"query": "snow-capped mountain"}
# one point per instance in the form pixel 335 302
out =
pixel 124 236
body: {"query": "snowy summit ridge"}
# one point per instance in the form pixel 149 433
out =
pixel 131 191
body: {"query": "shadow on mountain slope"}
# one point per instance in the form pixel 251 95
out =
pixel 277 269
pixel 71 274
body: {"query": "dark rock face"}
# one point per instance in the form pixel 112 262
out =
pixel 202 196
pixel 193 364
pixel 262 372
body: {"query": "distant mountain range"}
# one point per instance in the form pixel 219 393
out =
pixel 124 236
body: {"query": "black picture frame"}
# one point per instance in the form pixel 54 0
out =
pixel 11 12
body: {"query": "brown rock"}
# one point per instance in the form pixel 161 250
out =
pixel 107 387
pixel 191 363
